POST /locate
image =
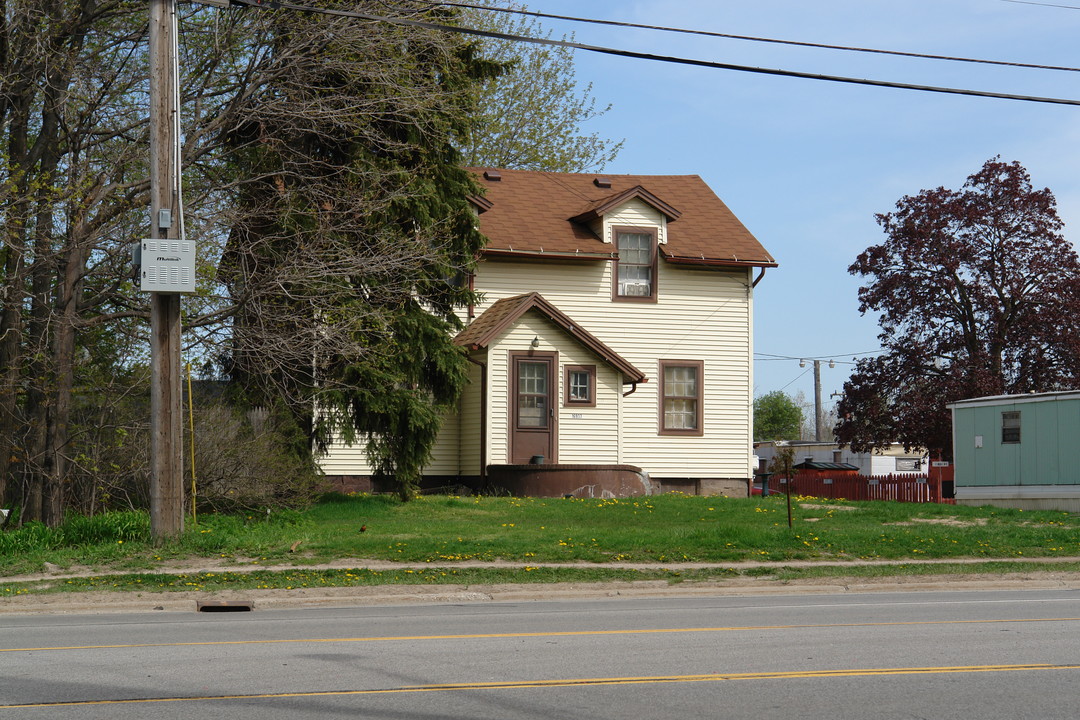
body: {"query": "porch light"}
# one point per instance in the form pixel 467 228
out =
pixel 535 342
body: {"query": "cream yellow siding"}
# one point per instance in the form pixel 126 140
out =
pixel 584 434
pixel 699 315
pixel 445 455
pixel 471 425
pixel 591 435
pixel 635 213
pixel 342 459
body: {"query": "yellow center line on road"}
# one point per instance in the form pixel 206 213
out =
pixel 568 682
pixel 563 633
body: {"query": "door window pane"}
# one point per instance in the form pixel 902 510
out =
pixel 532 378
pixel 532 394
pixel 532 411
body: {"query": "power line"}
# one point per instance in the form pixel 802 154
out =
pixel 1042 4
pixel 276 4
pixel 751 38
pixel 771 356
pixel 832 361
pixel 796 378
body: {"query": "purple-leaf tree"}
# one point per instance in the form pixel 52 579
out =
pixel 978 294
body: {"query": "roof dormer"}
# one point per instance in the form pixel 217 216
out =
pixel 600 208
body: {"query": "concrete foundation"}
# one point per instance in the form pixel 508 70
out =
pixel 555 480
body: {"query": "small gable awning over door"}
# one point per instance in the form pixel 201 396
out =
pixel 502 315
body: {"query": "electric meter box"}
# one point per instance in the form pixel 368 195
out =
pixel 167 266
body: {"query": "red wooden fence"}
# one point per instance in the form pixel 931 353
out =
pixel 926 488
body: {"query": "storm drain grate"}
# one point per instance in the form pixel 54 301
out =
pixel 225 606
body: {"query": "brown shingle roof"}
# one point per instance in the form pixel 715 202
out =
pixel 535 212
pixel 503 313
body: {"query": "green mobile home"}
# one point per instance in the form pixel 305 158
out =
pixel 1019 451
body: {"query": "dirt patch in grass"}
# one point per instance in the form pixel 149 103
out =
pixel 950 521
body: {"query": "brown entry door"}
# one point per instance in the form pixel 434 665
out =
pixel 532 425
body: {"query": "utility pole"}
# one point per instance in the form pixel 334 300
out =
pixel 166 479
pixel 818 415
pixel 817 401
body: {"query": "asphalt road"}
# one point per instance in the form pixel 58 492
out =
pixel 987 655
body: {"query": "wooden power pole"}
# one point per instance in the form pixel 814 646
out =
pixel 166 479
pixel 817 401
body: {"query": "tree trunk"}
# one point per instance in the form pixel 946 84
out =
pixel 11 319
pixel 64 361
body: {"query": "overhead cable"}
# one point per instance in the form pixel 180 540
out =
pixel 770 356
pixel 1043 4
pixel 276 4
pixel 729 36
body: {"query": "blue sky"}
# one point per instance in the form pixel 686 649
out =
pixel 806 164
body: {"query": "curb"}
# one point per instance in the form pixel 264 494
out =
pixel 404 595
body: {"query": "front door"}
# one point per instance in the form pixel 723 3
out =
pixel 532 421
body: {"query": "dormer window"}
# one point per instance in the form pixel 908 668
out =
pixel 635 269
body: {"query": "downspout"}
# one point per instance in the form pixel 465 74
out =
pixel 631 391
pixel 750 378
pixel 483 418
pixel 471 310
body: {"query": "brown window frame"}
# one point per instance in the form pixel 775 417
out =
pixel 655 253
pixel 569 401
pixel 699 430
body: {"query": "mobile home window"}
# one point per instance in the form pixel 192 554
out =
pixel 1010 427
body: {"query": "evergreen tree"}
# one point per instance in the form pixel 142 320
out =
pixel 355 231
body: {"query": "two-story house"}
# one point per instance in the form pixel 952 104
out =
pixel 612 349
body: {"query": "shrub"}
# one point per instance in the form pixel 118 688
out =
pixel 246 461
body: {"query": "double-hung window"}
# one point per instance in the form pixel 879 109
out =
pixel 681 397
pixel 1010 427
pixel 635 270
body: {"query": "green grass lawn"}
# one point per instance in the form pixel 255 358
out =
pixel 439 531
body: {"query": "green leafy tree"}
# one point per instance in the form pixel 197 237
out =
pixel 531 116
pixel 777 417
